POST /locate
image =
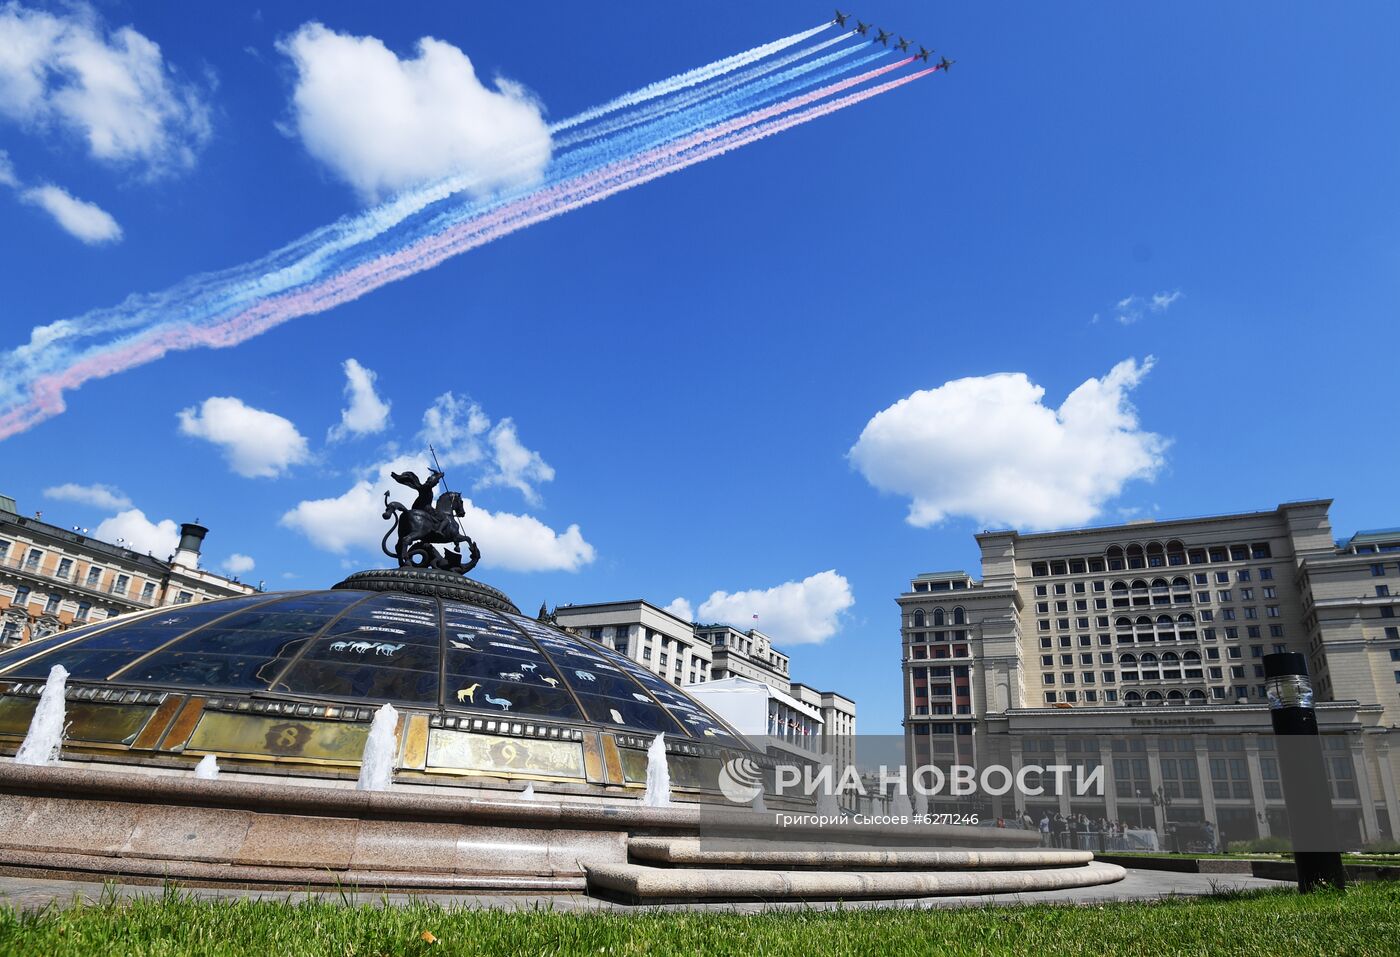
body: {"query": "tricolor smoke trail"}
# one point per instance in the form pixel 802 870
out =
pixel 629 141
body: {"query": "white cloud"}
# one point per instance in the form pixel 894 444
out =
pixel 112 88
pixel 7 171
pixel 133 530
pixel 988 448
pixel 793 613
pixel 237 564
pixel 383 124
pixel 86 221
pixel 512 542
pixel 681 609
pixel 366 412
pixel 514 465
pixel 1135 308
pixel 463 434
pixel 105 497
pixel 257 444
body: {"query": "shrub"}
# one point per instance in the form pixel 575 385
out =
pixel 1261 845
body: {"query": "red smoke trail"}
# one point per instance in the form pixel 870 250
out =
pixel 46 394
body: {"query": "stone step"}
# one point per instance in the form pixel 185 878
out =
pixel 718 852
pixel 642 884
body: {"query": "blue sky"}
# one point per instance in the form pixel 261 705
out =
pixel 694 358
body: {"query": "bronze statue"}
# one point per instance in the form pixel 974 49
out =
pixel 423 525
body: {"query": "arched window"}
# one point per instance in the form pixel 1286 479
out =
pixel 1127 659
pixel 1135 557
pixel 959 616
pixel 1186 618
pixel 1154 697
pixel 1139 583
pixel 1164 621
pixel 1156 555
pixel 1119 585
pixel 1197 695
pixel 1143 621
pixel 1123 622
pixel 1159 583
pixel 919 618
pixel 1169 658
pixel 1148 658
pixel 939 620
pixel 1192 656
pixel 1176 697
pixel 1132 696
pixel 1179 582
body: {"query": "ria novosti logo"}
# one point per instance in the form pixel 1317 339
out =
pixel 740 780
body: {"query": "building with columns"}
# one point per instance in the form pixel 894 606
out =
pixel 52 578
pixel 1139 648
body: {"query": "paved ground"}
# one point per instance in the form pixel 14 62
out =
pixel 29 894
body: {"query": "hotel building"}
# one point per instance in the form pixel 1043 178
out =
pixel 1139 648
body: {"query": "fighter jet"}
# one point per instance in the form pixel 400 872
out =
pixel 881 37
pixel 862 28
pixel 944 63
pixel 902 45
pixel 841 18
pixel 923 54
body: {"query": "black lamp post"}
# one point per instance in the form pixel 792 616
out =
pixel 1304 775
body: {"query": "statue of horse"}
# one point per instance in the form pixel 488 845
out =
pixel 419 529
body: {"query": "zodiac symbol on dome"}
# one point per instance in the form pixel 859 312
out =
pixel 504 703
pixel 468 694
pixel 615 716
pixel 510 675
pixel 585 676
pixel 641 697
pixel 339 645
pixel 551 682
pixel 528 666
pixel 383 648
pixel 460 645
pixel 710 733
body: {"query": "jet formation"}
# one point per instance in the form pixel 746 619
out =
pixel 883 37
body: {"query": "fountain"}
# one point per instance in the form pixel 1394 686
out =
pixel 381 751
pixel 45 735
pixel 658 793
pixel 207 769
pixel 529 793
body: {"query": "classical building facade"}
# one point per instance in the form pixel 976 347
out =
pixel 751 677
pixel 1140 648
pixel 650 636
pixel 52 578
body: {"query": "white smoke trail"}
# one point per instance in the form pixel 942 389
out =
pixel 690 78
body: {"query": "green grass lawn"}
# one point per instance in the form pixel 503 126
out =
pixel 1366 920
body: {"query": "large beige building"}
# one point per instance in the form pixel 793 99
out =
pixel 1067 634
pixel 52 578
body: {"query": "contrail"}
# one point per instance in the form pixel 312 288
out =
pixel 682 80
pixel 230 307
pixel 672 103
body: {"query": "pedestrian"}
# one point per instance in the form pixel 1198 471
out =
pixel 1045 829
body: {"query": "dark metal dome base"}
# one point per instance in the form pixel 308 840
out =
pixel 431 582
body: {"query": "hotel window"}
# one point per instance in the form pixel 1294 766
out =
pixel 1047 661
pixel 32 562
pixel 1377 570
pixel 1049 697
pixel 1048 678
pixel 1088 677
pixel 1086 658
pixel 1233 652
pixel 1232 632
pixel 1098 586
pixel 1043 624
pixel 1040 591
pixel 1266 574
pixel 1271 611
pixel 1225 596
pixel 1067 677
pixel 148 591
pixel 1091 695
pixel 1242 575
pixel 1042 608
pixel 1071 697
pixel 1222 578
pixel 1064 641
pixel 1106 657
pixel 1066 659
pixel 1110 695
pixel 65 568
pixel 94 576
pixel 1382 591
pixel 1201 578
pixel 1045 642
pixel 184 598
pixel 84 609
pixel 1252 631
pixel 1251 612
pixel 120 585
pixel 1206 615
pixel 1246 594
pixel 1270 591
pixel 51 606
pixel 1228 614
pixel 21 599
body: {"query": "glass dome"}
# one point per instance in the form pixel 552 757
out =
pixel 416 652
